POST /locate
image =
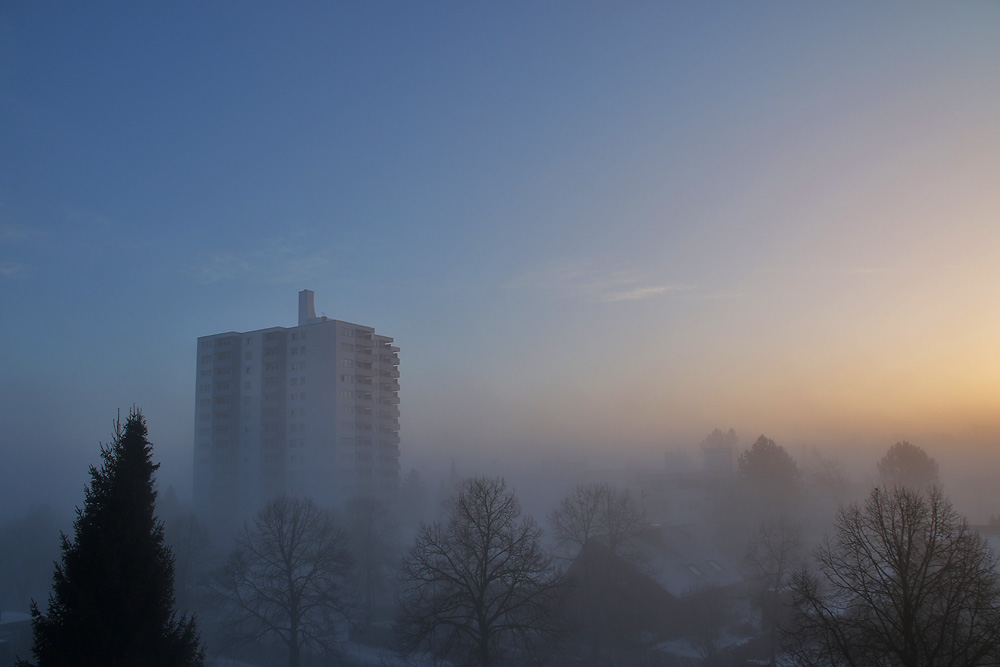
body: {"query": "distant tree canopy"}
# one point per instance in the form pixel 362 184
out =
pixel 112 600
pixel 718 440
pixel 907 465
pixel 769 465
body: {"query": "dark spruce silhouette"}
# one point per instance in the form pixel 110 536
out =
pixel 112 599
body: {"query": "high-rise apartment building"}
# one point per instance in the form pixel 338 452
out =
pixel 311 409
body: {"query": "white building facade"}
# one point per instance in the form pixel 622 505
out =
pixel 306 410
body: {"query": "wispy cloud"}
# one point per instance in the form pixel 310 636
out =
pixel 637 292
pixel 12 231
pixel 588 283
pixel 12 270
pixel 830 270
pixel 281 261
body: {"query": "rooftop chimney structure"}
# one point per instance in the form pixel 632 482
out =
pixel 307 311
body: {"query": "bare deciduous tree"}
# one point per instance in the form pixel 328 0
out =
pixel 479 581
pixel 592 510
pixel 284 580
pixel 904 582
pixel 596 522
pixel 772 555
pixel 372 534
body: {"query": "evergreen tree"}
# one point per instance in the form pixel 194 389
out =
pixel 112 600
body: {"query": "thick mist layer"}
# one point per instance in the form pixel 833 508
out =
pixel 617 248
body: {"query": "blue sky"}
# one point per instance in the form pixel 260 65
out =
pixel 586 224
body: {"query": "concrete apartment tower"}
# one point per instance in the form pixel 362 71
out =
pixel 306 410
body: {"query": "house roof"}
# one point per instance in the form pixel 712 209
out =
pixel 682 560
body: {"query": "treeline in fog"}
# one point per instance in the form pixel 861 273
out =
pixel 741 556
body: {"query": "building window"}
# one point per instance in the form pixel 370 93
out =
pixel 346 410
pixel 347 363
pixel 345 393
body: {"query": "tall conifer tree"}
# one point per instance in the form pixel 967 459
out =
pixel 112 600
